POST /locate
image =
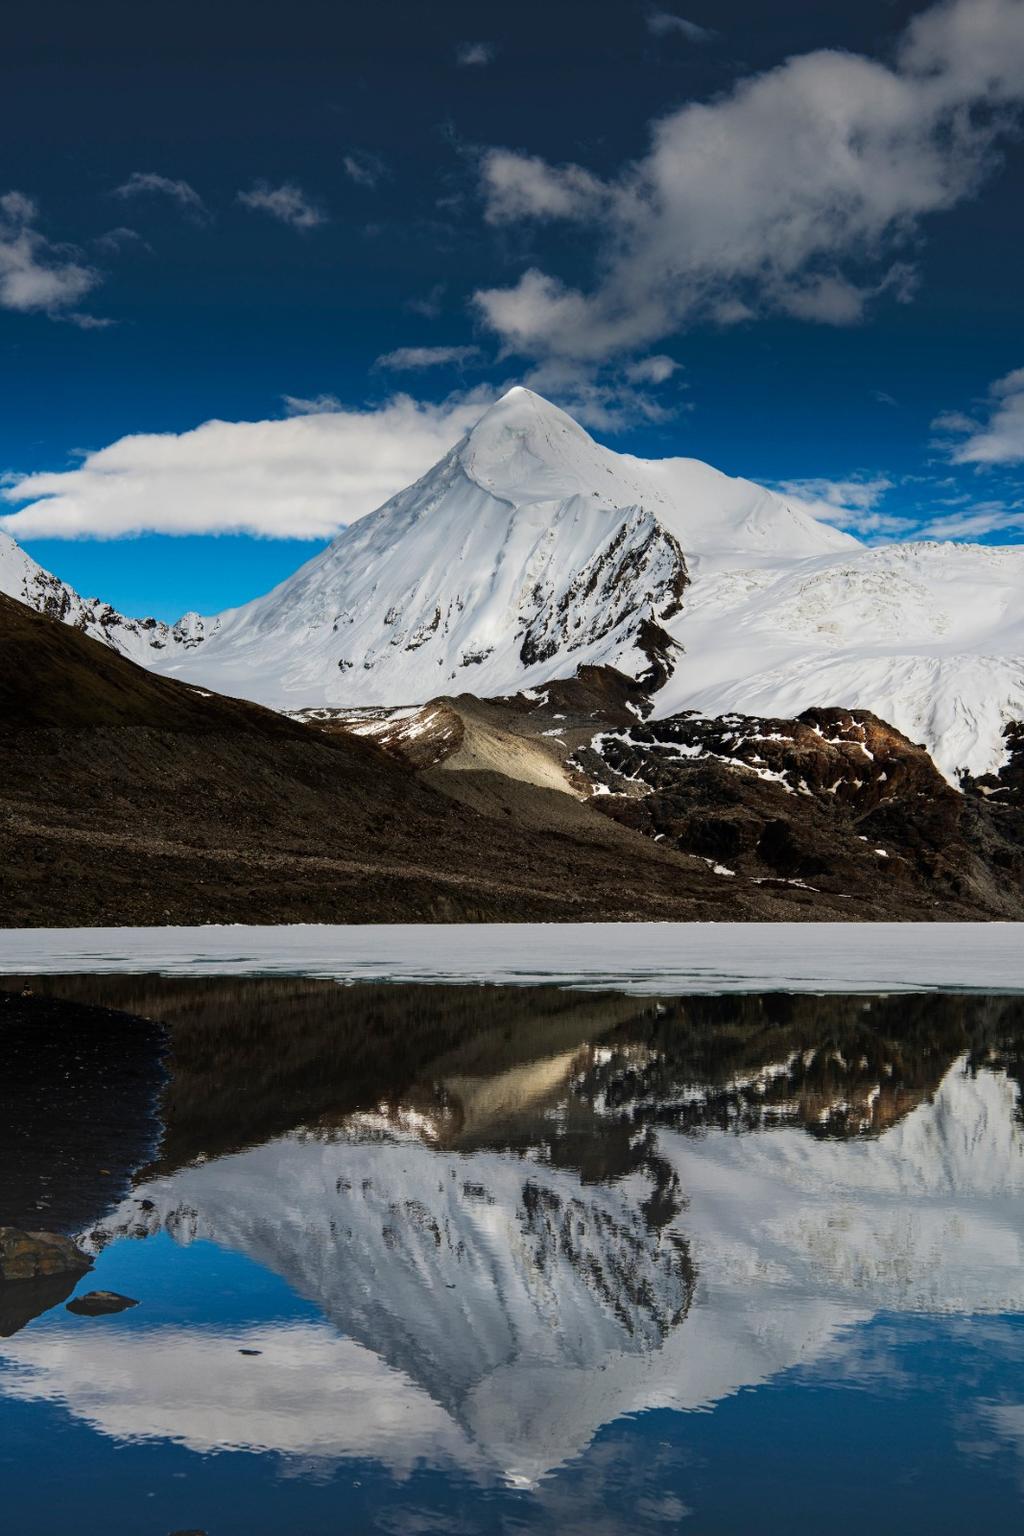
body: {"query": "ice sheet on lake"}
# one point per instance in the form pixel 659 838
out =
pixel 642 957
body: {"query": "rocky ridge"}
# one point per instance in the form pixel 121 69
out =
pixel 835 804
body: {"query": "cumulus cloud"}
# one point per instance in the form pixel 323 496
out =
pixel 666 23
pixel 474 55
pixel 996 439
pixel 409 359
pixel 791 194
pixel 142 183
pixel 287 203
pixel 303 477
pixel 37 276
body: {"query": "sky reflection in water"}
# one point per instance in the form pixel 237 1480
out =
pixel 530 1261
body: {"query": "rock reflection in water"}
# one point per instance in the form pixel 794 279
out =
pixel 522 1215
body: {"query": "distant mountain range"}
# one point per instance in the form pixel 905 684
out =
pixel 530 550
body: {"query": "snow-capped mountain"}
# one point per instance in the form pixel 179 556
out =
pixel 530 550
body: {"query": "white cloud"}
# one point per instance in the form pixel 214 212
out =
pixel 999 439
pixel 317 405
pixel 288 203
pixel 187 198
pixel 406 359
pixel 665 23
pixel 975 522
pixel 364 169
pixel 862 493
pixel 35 275
pixel 526 187
pixel 302 477
pixel 652 370
pixel 790 194
pixel 853 504
pixel 157 1384
pixel 475 55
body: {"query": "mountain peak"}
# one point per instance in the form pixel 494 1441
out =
pixel 521 410
pixel 523 446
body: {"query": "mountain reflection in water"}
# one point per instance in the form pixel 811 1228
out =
pixel 507 1219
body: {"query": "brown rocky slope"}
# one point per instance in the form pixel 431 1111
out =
pixel 835 810
pixel 127 798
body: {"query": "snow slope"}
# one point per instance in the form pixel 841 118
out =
pixel 928 636
pixel 530 550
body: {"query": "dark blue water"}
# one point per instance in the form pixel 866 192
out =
pixel 694 1265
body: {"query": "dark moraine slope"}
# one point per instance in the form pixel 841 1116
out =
pixel 127 798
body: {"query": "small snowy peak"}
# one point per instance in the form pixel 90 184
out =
pixel 524 448
pixel 139 639
pixel 727 520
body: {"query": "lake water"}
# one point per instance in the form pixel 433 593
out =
pixel 416 1258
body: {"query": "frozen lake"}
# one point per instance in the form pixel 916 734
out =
pixel 644 957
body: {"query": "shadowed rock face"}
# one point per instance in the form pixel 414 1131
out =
pixel 997 810
pixel 848 754
pixel 839 1068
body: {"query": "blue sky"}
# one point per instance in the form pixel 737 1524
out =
pixel 805 272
